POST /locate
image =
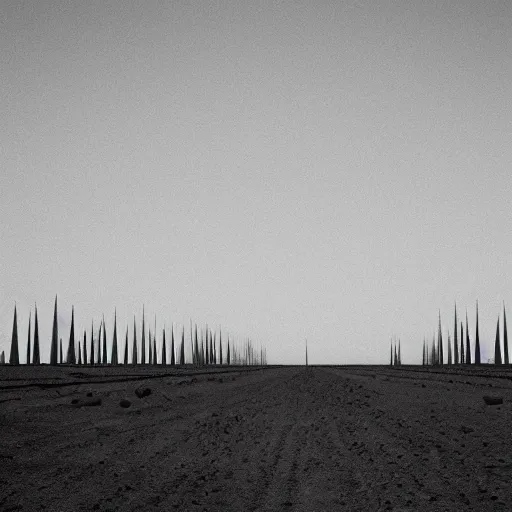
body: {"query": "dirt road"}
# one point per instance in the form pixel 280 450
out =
pixel 279 439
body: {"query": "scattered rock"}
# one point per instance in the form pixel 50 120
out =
pixel 125 403
pixel 493 400
pixel 466 429
pixel 89 394
pixel 142 392
pixel 75 401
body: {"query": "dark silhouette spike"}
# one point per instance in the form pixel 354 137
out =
pixel 105 358
pixel 2 357
pixel 207 354
pixel 505 336
pixel 399 353
pixel 497 347
pixel 477 339
pixel 196 348
pixel 91 355
pixel 71 356
pixel 391 354
pixel 155 353
pixel 455 340
pixel 29 341
pixel 150 348
pixel 135 357
pixel 468 346
pixel 164 348
pixel 143 348
pixel 449 349
pixel 98 358
pixel 182 349
pixel 54 347
pixel 60 351
pixel 36 359
pixel 85 348
pixel 462 357
pixel 125 360
pixel 79 353
pixel 193 355
pixel 91 345
pixel 440 341
pixel 228 355
pixel 114 356
pixel 14 358
pixel 203 360
pixel 173 352
pixel 220 346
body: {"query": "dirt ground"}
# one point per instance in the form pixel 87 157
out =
pixel 277 439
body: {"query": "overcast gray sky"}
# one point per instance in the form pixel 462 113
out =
pixel 336 170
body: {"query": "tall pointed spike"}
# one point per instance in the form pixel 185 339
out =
pixel 125 359
pixel 477 339
pixel 164 348
pixel 29 341
pixel 497 347
pixel 85 348
pixel 114 354
pixel 54 347
pixel 71 356
pixel 15 355
pixel 505 335
pixel 455 340
pixel 143 348
pixel 468 347
pixel 37 355
pixel 91 355
pixel 462 356
pixel 134 349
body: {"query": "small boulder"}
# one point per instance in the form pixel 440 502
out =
pixel 142 392
pixel 493 400
pixel 125 403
